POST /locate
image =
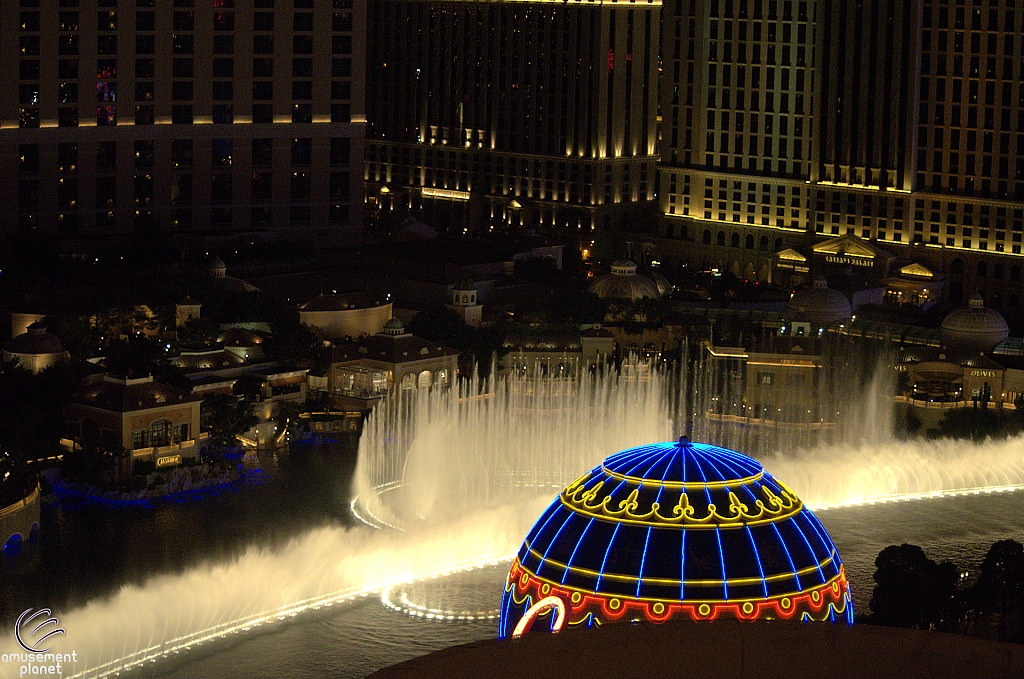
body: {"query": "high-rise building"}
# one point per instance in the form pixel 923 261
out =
pixel 119 116
pixel 489 115
pixel 788 122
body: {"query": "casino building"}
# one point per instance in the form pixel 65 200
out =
pixel 786 124
pixel 537 115
pixel 189 117
pixel 674 531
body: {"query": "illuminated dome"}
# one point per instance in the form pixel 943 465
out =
pixel 975 328
pixel 217 268
pixel 662 283
pixel 821 304
pixel 675 531
pixel 624 283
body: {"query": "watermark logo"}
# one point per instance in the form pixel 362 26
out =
pixel 32 639
pixel 36 630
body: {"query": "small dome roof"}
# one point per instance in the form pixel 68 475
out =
pixel 465 285
pixel 217 263
pixel 678 530
pixel 393 327
pixel 624 283
pixel 974 328
pixel 821 304
pixel 36 341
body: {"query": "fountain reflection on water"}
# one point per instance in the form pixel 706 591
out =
pixel 467 471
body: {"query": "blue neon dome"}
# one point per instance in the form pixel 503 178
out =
pixel 678 529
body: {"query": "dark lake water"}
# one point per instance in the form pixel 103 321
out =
pixel 90 550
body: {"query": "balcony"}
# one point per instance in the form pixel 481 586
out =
pixel 187 446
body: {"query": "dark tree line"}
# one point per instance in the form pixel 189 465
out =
pixel 913 591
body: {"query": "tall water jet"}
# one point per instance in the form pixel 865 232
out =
pixel 429 456
pixel 847 396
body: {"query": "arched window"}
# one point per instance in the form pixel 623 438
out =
pixel 425 379
pixel 160 433
pixel 956 291
pixel 982 269
pixel 721 237
pixel 957 267
pixel 735 240
pixel 1015 273
pixel 707 237
pixel 997 271
pixel 90 432
pixel 778 244
pixel 684 232
pixel 441 377
pixel 764 243
pixel 408 381
pixel 749 242
pixel 649 352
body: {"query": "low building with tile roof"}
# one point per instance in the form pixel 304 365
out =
pixel 156 422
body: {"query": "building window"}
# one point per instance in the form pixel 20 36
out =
pixel 223 114
pixel 140 439
pixel 106 116
pixel 262 113
pixel 160 433
pixel 181 114
pixel 302 113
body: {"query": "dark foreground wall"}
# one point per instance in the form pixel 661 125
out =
pixel 723 650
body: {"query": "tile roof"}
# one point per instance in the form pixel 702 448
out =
pixel 126 396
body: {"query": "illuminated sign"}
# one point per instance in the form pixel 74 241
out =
pixel 983 373
pixel 846 259
pixel 444 193
pixel 798 269
pixel 169 461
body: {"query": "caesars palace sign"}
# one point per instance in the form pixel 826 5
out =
pixel 846 259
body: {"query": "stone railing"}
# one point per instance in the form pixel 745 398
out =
pixel 159 451
pixel 20 518
pixel 921 403
pixel 766 422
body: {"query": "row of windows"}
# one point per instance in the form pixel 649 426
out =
pixel 68 69
pixel 186 217
pixel 772 10
pixel 182 43
pixel 186 4
pixel 182 154
pixel 961 18
pixel 184 114
pixel 300 189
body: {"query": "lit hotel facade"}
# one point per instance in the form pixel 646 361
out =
pixel 789 122
pixel 215 118
pixel 534 115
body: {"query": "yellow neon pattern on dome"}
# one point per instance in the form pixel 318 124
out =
pixel 773 508
pixel 669 582
pixel 678 484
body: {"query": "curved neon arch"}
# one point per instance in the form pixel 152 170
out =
pixel 542 606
